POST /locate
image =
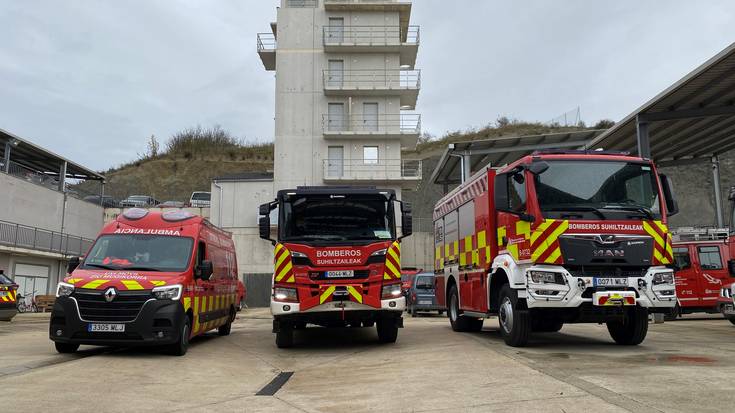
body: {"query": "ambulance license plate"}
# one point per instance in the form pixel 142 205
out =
pixel 611 282
pixel 106 328
pixel 340 274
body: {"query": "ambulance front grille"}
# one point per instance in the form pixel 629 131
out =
pixel 124 308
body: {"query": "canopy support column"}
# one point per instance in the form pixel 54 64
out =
pixel 644 143
pixel 718 191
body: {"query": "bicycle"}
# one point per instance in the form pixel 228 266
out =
pixel 26 304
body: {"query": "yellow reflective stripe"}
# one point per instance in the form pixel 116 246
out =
pixel 481 239
pixel 353 292
pixel 661 226
pixel 187 303
pixel 390 269
pixel 540 229
pixel 657 255
pixel 279 247
pixel 132 285
pixel 196 314
pixel 554 255
pixel 501 234
pixel 513 249
pixel 280 258
pixel 523 228
pixel 292 279
pixel 652 232
pixel 73 280
pixel 95 284
pixel 328 292
pixel 158 283
pixel 550 239
pixel 394 254
pixel 287 269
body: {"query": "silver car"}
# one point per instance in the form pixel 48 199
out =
pixel 422 295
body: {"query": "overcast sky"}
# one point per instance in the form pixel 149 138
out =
pixel 91 80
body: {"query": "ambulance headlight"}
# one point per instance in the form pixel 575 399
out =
pixel 64 289
pixel 289 295
pixel 168 292
pixel 663 278
pixel 545 277
pixel 391 291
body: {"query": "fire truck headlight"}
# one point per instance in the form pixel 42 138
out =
pixel 64 289
pixel 391 291
pixel 296 254
pixel 545 277
pixel 168 292
pixel 379 253
pixel 289 295
pixel 663 278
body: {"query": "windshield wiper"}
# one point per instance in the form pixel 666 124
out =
pixel 573 208
pixel 104 267
pixel 647 213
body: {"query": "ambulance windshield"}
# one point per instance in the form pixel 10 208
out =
pixel 598 190
pixel 140 252
pixel 334 218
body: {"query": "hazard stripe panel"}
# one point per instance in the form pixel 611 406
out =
pixel 393 262
pixel 282 265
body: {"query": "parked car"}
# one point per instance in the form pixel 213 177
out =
pixel 105 200
pixel 171 204
pixel 201 199
pixel 138 201
pixel 8 293
pixel 241 294
pixel 421 295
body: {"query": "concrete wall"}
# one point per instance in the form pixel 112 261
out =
pixel 56 268
pixel 29 204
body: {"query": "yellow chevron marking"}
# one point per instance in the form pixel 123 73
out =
pixel 280 258
pixel 554 255
pixel 158 283
pixel 73 280
pixel 187 303
pixel 513 249
pixel 292 279
pixel 523 228
pixel 661 226
pixel 95 284
pixel 353 292
pixel 540 229
pixel 132 285
pixel 326 294
pixel 391 270
pixel 392 252
pixel 550 239
pixel 652 232
pixel 284 272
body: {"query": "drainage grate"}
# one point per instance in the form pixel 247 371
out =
pixel 271 388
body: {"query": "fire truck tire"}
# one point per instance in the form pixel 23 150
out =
pixel 181 345
pixel 515 324
pixel 731 319
pixel 66 348
pixel 387 331
pixel 459 322
pixel 632 331
pixel 675 312
pixel 284 336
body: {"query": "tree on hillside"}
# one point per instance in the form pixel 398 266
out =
pixel 153 146
pixel 604 124
pixel 201 140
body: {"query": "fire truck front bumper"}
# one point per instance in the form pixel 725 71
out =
pixel 279 308
pixel 554 287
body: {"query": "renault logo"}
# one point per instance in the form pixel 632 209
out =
pixel 110 294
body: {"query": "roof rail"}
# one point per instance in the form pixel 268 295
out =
pixel 578 152
pixel 700 234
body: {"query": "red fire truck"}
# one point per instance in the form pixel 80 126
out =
pixel 701 265
pixel 150 278
pixel 557 237
pixel 337 259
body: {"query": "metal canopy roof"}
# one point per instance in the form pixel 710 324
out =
pixel 43 161
pixel 502 150
pixel 691 121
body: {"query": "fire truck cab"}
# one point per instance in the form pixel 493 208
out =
pixel 337 259
pixel 702 267
pixel 557 237
pixel 150 278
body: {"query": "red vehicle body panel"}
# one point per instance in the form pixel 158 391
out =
pixel 702 273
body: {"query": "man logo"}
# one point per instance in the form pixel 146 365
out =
pixel 608 253
pixel 110 294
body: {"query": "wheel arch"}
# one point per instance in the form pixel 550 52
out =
pixel 498 278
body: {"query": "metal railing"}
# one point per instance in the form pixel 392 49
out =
pixel 22 236
pixel 372 79
pixel 30 175
pixel 302 3
pixel 370 35
pixel 404 123
pixel 376 170
pixel 266 42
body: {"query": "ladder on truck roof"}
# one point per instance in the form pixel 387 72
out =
pixel 683 234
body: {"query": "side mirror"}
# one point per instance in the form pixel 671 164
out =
pixel 72 264
pixel 264 225
pixel 672 207
pixel 206 269
pixel 731 267
pixel 502 202
pixel 406 219
pixel 264 209
pixel 537 168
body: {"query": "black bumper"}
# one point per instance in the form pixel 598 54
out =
pixel 155 317
pixel 338 318
pixel 8 311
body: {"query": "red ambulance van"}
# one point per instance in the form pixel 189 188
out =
pixel 151 278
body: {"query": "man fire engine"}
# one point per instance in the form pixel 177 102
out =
pixel 337 260
pixel 557 237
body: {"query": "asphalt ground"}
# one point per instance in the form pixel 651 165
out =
pixel 683 366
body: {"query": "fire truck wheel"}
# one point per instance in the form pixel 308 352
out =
pixel 458 322
pixel 632 331
pixel 515 325
pixel 284 336
pixel 731 319
pixel 66 348
pixel 675 312
pixel 180 347
pixel 387 330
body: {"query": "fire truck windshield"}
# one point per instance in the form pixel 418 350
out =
pixel 140 252
pixel 330 218
pixel 598 190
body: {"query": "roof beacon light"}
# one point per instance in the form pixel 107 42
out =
pixel 135 213
pixel 178 215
